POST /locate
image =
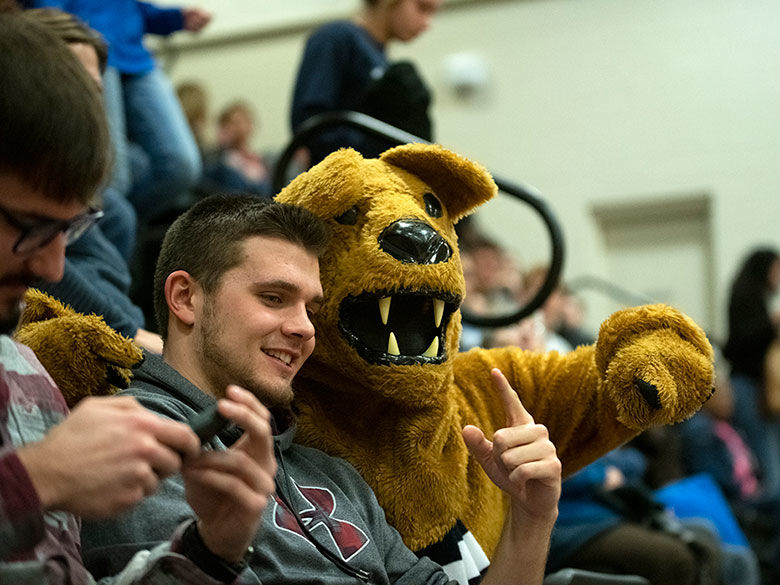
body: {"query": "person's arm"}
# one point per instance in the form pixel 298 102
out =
pixel 111 452
pixel 164 21
pixel 522 461
pixel 21 515
pixel 97 461
pixel 228 491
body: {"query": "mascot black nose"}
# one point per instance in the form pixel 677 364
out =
pixel 414 242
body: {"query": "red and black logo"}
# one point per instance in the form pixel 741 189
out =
pixel 318 516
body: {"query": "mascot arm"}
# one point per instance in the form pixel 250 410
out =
pixel 651 365
pixel 83 355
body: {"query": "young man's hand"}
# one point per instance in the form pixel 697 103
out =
pixel 149 341
pixel 106 456
pixel 229 490
pixel 520 459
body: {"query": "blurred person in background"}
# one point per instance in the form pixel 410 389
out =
pixel 751 331
pixel 234 167
pixel 345 67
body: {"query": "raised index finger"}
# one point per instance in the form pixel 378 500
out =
pixel 516 414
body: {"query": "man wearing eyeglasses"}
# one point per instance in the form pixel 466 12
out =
pixel 38 250
pixel 108 453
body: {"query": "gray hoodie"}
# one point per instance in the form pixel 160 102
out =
pixel 330 499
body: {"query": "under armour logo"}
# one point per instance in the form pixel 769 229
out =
pixel 348 538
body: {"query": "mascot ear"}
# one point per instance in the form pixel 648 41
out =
pixel 324 187
pixel 41 307
pixel 459 183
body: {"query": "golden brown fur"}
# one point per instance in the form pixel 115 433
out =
pixel 400 424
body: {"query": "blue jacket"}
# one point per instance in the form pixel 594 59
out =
pixel 97 280
pixel 581 516
pixel 340 60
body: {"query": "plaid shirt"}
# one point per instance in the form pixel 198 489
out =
pixel 43 548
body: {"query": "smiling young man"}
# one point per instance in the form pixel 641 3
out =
pixel 236 284
pixel 108 453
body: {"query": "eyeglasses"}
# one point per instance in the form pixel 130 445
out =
pixel 38 234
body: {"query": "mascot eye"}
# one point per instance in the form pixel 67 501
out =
pixel 432 205
pixel 349 217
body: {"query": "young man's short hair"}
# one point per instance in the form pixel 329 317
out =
pixel 53 129
pixel 205 241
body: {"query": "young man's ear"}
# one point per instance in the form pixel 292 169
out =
pixel 183 295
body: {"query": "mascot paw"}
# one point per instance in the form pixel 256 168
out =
pixel 83 355
pixel 657 365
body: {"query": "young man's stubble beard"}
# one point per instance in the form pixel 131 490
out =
pixel 223 368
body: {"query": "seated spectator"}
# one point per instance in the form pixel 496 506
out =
pixel 751 330
pixel 236 282
pixel 562 312
pixel 494 284
pixel 712 445
pixel 108 453
pixel 234 167
pixel 601 527
pixel 590 535
pixel 195 105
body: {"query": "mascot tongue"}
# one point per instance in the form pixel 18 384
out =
pixel 401 327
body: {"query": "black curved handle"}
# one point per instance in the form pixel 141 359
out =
pixel 321 122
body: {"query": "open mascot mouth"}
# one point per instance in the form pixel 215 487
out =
pixel 400 327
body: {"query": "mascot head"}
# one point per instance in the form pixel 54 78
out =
pixel 392 275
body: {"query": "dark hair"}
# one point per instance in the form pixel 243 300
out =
pixel 753 276
pixel 205 241
pixel 53 130
pixel 71 29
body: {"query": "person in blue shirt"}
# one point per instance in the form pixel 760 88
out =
pixel 141 104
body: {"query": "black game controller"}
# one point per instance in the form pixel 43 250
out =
pixel 207 423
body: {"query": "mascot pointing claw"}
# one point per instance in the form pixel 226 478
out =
pixel 388 390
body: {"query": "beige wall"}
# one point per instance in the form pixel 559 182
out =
pixel 590 101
